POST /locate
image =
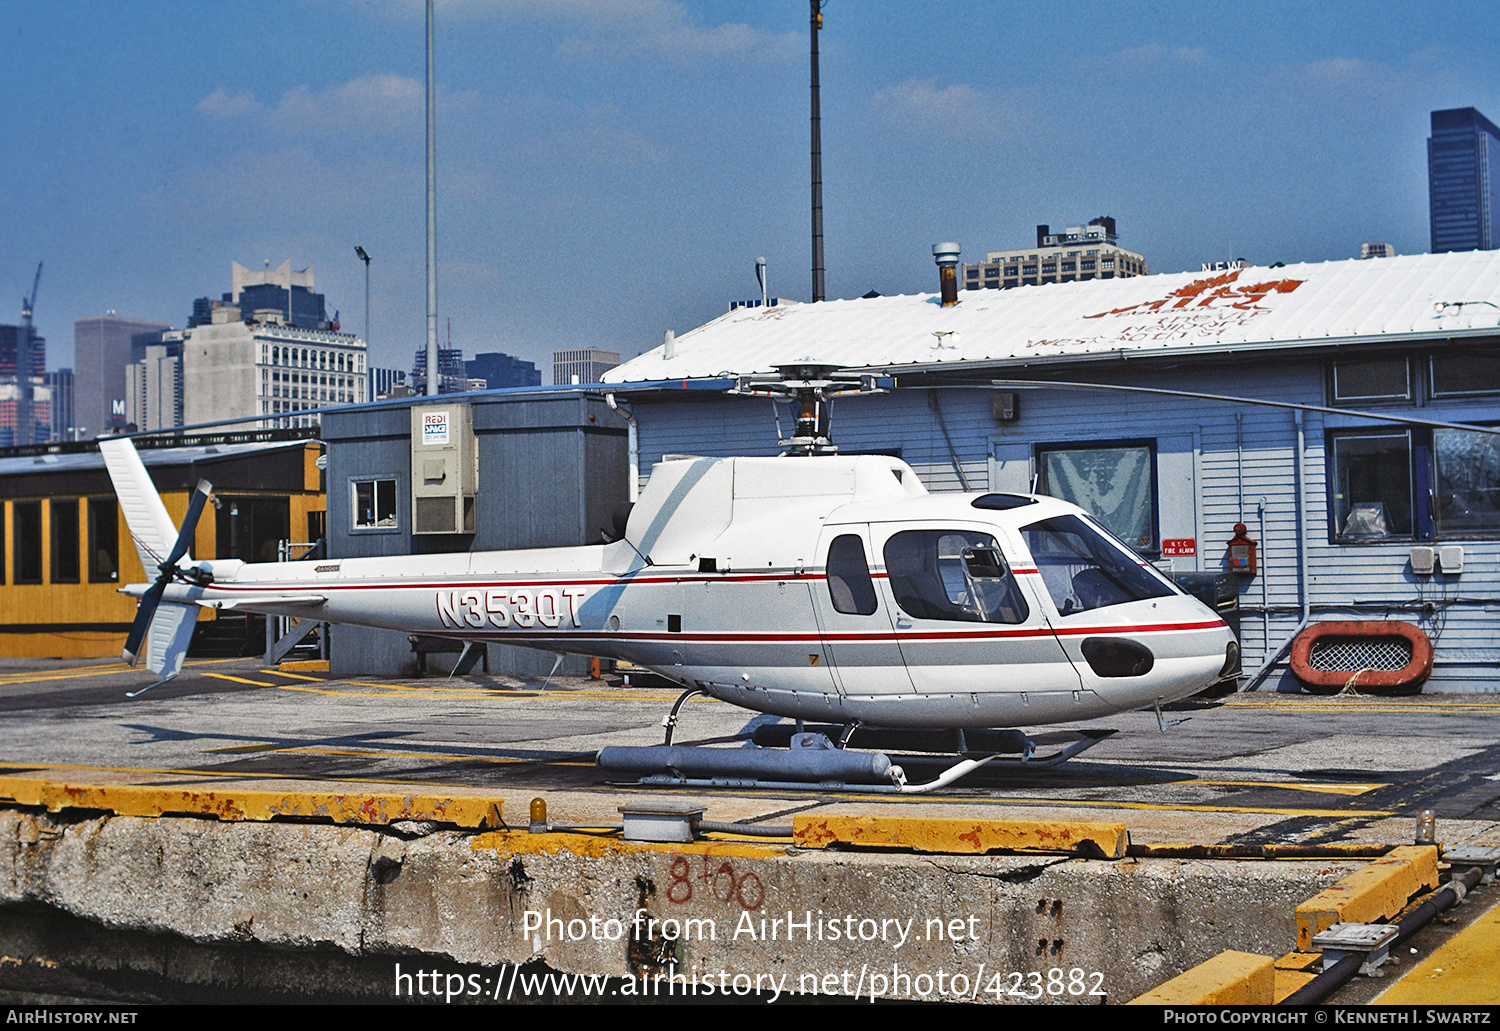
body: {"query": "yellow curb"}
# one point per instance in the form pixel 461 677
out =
pixel 374 808
pixel 1370 894
pixel 704 859
pixel 305 665
pixel 1294 970
pixel 953 835
pixel 1229 979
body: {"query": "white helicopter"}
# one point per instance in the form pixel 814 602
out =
pixel 829 588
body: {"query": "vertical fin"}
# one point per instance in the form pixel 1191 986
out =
pixel 145 515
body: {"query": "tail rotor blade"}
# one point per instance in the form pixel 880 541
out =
pixel 189 525
pixel 144 610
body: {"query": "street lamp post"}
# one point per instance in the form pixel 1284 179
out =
pixel 364 256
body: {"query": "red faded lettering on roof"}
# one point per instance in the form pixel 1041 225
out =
pixel 1213 291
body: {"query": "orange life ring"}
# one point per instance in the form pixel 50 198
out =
pixel 1406 680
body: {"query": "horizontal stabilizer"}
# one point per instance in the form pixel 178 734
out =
pixel 256 601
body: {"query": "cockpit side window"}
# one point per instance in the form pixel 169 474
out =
pixel 953 575
pixel 1083 569
pixel 849 583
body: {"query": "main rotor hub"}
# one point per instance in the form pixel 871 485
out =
pixel 808 386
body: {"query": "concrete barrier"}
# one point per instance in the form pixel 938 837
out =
pixel 887 924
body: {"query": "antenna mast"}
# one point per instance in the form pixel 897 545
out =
pixel 817 160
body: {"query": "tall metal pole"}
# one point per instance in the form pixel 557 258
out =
pixel 817 161
pixel 433 380
pixel 364 256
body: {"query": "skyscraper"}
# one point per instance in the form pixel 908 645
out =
pixel 581 365
pixel 1463 181
pixel 501 370
pixel 25 415
pixel 103 346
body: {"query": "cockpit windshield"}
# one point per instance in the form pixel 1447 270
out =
pixel 1084 569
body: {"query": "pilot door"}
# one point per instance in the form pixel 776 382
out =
pixel 855 620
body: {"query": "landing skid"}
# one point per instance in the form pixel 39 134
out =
pixel 815 758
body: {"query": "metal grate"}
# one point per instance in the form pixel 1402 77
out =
pixel 1332 654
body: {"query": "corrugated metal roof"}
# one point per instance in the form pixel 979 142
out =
pixel 1343 302
pixel 50 463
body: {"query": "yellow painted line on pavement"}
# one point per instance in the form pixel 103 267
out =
pixel 1460 973
pixel 1317 789
pixel 1362 704
pixel 499 694
pixel 376 754
pixel 27 677
pixel 241 680
pixel 225 774
pixel 295 676
pixel 1109 803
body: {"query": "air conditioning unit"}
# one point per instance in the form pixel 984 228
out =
pixel 444 469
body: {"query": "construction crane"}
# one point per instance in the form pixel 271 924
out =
pixel 29 303
pixel 25 431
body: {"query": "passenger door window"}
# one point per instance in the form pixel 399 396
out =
pixel 953 575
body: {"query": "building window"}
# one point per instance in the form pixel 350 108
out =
pixel 1376 379
pixel 26 540
pixel 1465 375
pixel 1115 483
pixel 375 505
pixel 1467 482
pixel 1371 485
pixel 992 273
pixel 104 541
pixel 64 540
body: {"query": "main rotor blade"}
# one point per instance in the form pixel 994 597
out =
pixel 144 610
pixel 189 525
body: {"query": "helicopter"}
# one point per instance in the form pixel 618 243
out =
pixel 811 586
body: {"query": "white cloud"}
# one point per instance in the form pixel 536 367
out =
pixel 623 29
pixel 370 104
pixel 956 111
pixel 1339 69
pixel 596 145
pixel 219 104
pixel 1157 53
pixel 684 43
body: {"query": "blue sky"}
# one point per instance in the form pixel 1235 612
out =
pixel 610 169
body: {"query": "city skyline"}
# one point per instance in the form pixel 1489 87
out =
pixel 611 170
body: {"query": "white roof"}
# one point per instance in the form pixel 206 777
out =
pixel 1335 302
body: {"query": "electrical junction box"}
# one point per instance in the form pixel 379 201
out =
pixel 444 469
pixel 1423 559
pixel 1005 406
pixel 1451 558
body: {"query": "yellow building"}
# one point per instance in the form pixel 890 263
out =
pixel 66 549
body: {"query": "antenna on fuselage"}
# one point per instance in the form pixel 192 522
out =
pixel 809 387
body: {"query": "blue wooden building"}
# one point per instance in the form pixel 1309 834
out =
pixel 1375 495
